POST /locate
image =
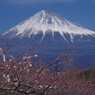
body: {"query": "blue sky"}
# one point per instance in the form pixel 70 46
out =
pixel 13 12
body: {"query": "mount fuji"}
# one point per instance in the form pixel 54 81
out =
pixel 47 22
pixel 52 35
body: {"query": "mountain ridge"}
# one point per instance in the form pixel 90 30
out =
pixel 48 22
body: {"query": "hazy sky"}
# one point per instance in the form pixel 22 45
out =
pixel 13 12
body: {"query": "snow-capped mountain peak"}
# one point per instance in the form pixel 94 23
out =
pixel 46 22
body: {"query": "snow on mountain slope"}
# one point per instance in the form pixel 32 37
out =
pixel 45 22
